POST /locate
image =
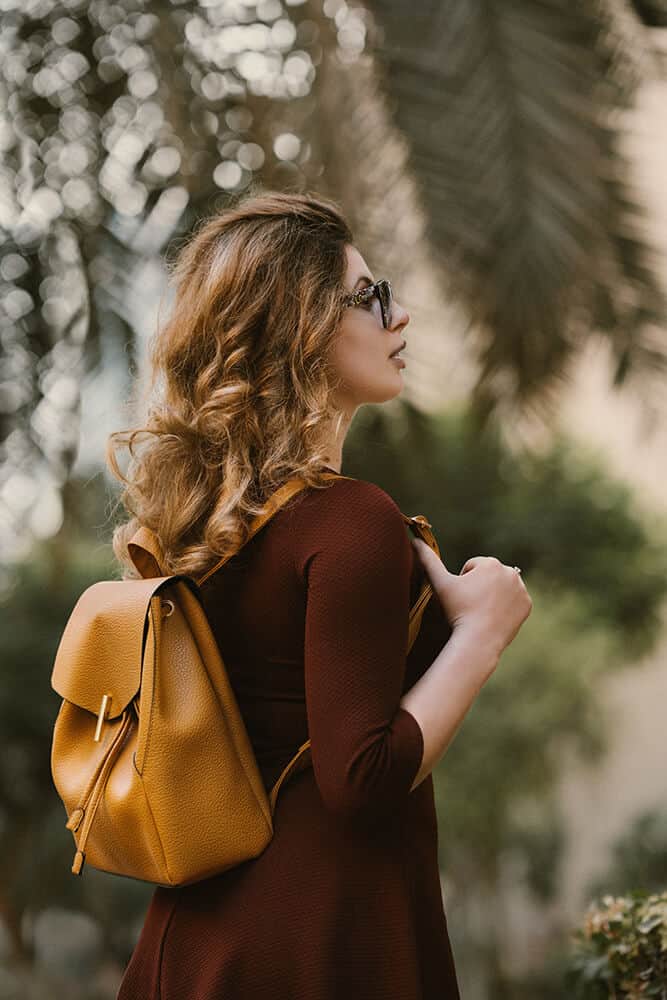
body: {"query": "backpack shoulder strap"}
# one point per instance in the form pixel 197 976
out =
pixel 146 552
pixel 275 502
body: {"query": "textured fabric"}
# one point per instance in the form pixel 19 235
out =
pixel 312 621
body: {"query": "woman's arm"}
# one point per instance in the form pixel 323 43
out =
pixel 356 561
pixel 487 602
pixel 443 695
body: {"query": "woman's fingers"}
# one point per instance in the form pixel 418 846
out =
pixel 432 563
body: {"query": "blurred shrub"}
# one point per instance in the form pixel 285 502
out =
pixel 621 949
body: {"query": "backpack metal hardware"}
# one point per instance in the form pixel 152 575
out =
pixel 101 716
pixel 421 520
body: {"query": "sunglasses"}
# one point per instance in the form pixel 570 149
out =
pixel 380 290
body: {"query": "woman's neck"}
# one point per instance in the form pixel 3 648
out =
pixel 334 457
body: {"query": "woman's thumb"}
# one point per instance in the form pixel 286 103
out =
pixel 428 557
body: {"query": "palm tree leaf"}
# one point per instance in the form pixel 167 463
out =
pixel 511 115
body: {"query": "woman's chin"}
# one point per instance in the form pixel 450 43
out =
pixel 393 389
pixel 398 380
pixel 381 392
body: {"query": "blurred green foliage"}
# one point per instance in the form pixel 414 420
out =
pixel 558 514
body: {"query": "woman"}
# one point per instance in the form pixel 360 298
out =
pixel 267 355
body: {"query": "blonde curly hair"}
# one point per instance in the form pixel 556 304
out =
pixel 239 386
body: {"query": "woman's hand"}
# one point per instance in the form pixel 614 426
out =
pixel 486 598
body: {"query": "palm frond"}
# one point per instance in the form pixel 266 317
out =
pixel 512 115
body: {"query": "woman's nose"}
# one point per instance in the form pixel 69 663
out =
pixel 399 316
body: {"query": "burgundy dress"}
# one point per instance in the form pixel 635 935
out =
pixel 345 901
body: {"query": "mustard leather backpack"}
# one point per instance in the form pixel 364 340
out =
pixel 150 754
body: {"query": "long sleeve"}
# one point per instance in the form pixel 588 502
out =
pixel 366 749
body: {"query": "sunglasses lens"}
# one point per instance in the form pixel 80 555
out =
pixel 384 289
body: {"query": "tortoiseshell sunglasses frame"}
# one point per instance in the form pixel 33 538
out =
pixel 379 288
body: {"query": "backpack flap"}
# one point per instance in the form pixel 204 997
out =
pixel 101 649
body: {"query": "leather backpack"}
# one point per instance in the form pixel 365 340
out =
pixel 150 754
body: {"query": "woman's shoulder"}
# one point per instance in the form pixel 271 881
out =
pixel 347 512
pixel 342 496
